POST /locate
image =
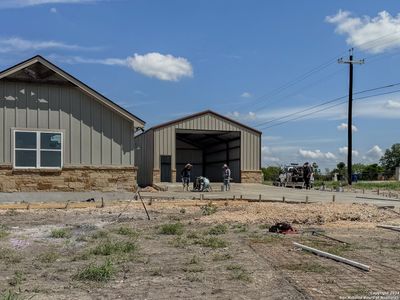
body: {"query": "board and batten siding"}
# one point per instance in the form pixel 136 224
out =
pixel 93 134
pixel 144 149
pixel 250 146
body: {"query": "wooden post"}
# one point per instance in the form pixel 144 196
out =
pixel 241 197
pixel 234 198
pixel 259 197
pixel 378 192
pixel 306 199
pixel 102 202
pixel 28 207
pixel 283 199
pixel 333 198
pixel 201 196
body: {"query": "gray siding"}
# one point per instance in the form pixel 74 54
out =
pixel 165 141
pixel 93 133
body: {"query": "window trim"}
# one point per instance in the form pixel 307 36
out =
pixel 38 149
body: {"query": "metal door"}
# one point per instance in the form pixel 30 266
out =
pixel 165 168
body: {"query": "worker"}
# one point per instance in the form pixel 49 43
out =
pixel 185 174
pixel 226 174
pixel 307 174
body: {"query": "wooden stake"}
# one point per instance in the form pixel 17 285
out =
pixel 333 198
pixel 102 202
pixel 306 199
pixel 283 199
pixel 259 197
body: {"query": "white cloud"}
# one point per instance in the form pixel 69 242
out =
pixel 374 154
pixel 390 104
pixel 160 66
pixel 344 126
pixel 246 95
pixel 163 67
pixel 243 117
pixel 344 150
pixel 362 32
pixel 53 10
pixel 317 154
pixel 16 44
pixel 27 3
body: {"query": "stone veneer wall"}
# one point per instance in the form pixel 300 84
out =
pixel 251 176
pixel 69 179
pixel 156 176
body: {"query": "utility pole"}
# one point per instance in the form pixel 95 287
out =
pixel 350 62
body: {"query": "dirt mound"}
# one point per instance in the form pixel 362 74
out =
pixel 307 214
pixel 149 189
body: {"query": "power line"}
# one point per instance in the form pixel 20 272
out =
pixel 327 108
pixel 326 102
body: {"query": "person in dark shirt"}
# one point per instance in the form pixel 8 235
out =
pixel 307 173
pixel 185 174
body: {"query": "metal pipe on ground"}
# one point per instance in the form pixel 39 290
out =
pixel 334 257
pixel 391 227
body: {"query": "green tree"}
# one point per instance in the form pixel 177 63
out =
pixel 359 168
pixel 271 173
pixel 371 172
pixel 391 159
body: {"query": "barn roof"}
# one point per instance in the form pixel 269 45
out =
pixel 64 75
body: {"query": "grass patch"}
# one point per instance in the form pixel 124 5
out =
pixel 212 242
pixel 238 273
pixel 172 229
pixel 3 231
pixel 306 267
pixel 208 209
pixel 17 279
pixel 337 249
pixel 99 273
pixel 383 185
pixel 48 257
pixel 265 239
pixel 238 228
pixel 101 234
pixel 193 235
pixel 60 233
pixel 9 295
pixel 193 277
pixel 127 231
pixel 112 247
pixel 221 257
pixel 193 269
pixel 218 229
pixel 195 260
pixel 10 256
pixel 180 242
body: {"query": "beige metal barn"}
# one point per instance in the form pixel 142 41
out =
pixel 207 140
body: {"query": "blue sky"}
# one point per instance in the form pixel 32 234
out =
pixel 165 59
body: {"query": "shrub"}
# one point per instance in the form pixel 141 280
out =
pixel 109 248
pixel 221 257
pixel 218 229
pixel 60 233
pixel 208 209
pixel 127 231
pixel 212 242
pixel 9 295
pixel 172 229
pixel 102 272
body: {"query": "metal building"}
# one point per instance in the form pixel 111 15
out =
pixel 56 133
pixel 207 140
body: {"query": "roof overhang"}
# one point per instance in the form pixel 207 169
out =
pixel 85 88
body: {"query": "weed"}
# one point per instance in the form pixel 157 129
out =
pixel 101 234
pixel 180 242
pixel 265 239
pixel 156 272
pixel 60 233
pixel 218 229
pixel 127 231
pixel 212 242
pixel 193 269
pixel 9 295
pixel 306 267
pixel 264 226
pixel 17 279
pixel 221 257
pixel 195 260
pixel 193 235
pixel 193 277
pixel 208 209
pixel 3 231
pixel 10 256
pixel 109 248
pixel 81 256
pixel 92 272
pixel 240 228
pixel 238 273
pixel 182 210
pixel 172 229
pixel 48 257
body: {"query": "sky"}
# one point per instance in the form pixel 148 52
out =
pixel 269 64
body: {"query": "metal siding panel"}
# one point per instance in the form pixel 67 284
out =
pixel 43 106
pixel 96 133
pixel 116 139
pixel 65 107
pixel 32 106
pixel 2 104
pixel 86 125
pixel 173 146
pixel 54 107
pixel 75 127
pixel 106 136
pixel 242 150
pixel 21 106
pixel 157 149
pixel 9 120
pixel 126 143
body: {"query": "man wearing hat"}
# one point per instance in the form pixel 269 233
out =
pixel 307 173
pixel 185 174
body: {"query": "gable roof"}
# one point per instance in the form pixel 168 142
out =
pixel 101 98
pixel 204 113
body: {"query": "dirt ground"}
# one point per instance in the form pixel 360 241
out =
pixel 198 250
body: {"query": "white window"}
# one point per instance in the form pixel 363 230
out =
pixel 38 149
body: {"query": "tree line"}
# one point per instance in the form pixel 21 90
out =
pixel 385 169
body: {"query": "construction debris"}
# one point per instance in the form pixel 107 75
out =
pixel 283 228
pixel 334 257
